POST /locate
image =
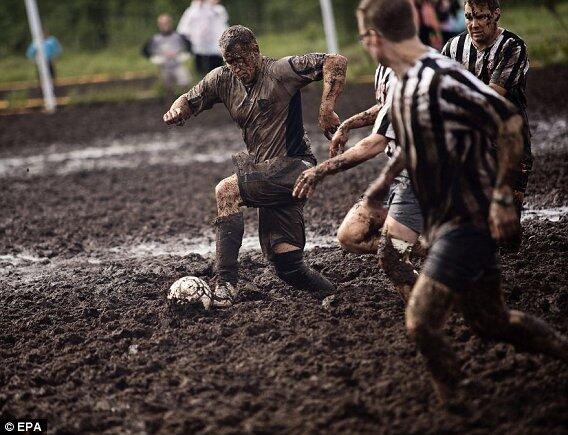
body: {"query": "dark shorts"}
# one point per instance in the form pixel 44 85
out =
pixel 461 257
pixel 268 186
pixel 403 205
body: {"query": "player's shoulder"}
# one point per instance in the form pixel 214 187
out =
pixel 450 48
pixel 511 40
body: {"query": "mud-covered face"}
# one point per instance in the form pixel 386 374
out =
pixel 481 23
pixel 243 61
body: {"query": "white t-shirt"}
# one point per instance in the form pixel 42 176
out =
pixel 203 23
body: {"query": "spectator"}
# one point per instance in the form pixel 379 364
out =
pixel 451 17
pixel 429 29
pixel 169 50
pixel 52 49
pixel 202 23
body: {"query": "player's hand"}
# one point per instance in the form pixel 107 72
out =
pixel 503 219
pixel 178 113
pixel 338 141
pixel 328 122
pixel 306 183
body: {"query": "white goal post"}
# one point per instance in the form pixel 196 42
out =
pixel 44 75
pixel 329 26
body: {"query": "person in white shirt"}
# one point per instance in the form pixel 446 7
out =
pixel 202 23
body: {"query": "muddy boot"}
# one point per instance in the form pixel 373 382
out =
pixel 291 269
pixel 224 295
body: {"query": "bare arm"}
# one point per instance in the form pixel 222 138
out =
pixel 361 152
pixel 334 70
pixel 503 217
pixel 377 191
pixel 359 120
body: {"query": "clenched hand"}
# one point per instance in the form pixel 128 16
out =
pixel 328 122
pixel 338 141
pixel 178 113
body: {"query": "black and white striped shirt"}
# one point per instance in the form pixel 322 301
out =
pixel 505 63
pixel 384 79
pixel 445 120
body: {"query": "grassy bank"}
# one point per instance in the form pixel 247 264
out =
pixel 546 39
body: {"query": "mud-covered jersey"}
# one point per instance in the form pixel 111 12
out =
pixel 445 120
pixel 384 79
pixel 269 112
pixel 505 63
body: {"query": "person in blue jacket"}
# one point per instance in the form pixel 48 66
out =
pixel 52 49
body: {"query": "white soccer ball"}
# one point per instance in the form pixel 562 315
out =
pixel 191 289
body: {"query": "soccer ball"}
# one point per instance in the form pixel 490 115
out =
pixel 190 290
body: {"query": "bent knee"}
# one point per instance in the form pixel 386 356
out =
pixel 226 189
pixel 354 241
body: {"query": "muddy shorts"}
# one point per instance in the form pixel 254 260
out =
pixel 461 257
pixel 403 205
pixel 268 186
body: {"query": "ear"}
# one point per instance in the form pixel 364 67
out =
pixel 497 14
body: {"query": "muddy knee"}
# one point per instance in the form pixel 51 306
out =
pixel 227 196
pixel 349 238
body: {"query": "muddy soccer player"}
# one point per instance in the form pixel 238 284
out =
pixel 393 237
pixel 263 97
pixel 446 121
pixel 499 59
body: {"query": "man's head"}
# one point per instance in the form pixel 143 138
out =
pixel 383 23
pixel 165 23
pixel 481 17
pixel 241 53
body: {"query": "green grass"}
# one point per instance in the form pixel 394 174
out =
pixel 546 39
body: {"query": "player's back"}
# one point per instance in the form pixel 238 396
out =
pixel 446 120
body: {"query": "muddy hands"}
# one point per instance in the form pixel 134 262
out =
pixel 306 183
pixel 178 113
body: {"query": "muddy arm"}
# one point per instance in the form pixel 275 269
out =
pixel 377 191
pixel 334 70
pixel 503 219
pixel 361 152
pixel 359 120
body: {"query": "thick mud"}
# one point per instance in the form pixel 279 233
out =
pixel 103 208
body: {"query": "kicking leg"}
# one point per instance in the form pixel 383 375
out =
pixel 485 311
pixel 229 235
pixel 427 311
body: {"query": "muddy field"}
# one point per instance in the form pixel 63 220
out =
pixel 103 207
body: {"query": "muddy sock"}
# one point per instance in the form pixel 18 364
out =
pixel 397 268
pixel 291 269
pixel 229 237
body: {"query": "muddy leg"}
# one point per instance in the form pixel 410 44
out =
pixel 485 310
pixel 396 265
pixel 427 311
pixel 360 231
pixel 229 230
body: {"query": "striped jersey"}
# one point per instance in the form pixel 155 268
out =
pixel 445 120
pixel 384 79
pixel 505 63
